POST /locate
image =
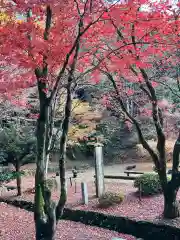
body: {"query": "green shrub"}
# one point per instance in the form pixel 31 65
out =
pixel 109 199
pixel 149 183
pixel 30 172
pixel 51 183
pixel 8 176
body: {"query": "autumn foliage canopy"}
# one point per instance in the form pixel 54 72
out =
pixel 120 38
pixel 41 42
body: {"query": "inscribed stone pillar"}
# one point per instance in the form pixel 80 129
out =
pixel 99 170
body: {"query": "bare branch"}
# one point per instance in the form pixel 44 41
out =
pixel 146 91
pixel 157 118
pixel 80 34
pixel 65 128
pixel 141 137
pixel 166 85
pixel 78 9
pixel 178 83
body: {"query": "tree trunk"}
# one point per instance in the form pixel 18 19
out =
pixel 44 214
pixel 171 206
pixel 45 231
pixel 18 179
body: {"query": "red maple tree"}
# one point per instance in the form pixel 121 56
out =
pixel 140 35
pixel 63 37
pixel 39 49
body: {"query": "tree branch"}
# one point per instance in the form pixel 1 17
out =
pixel 145 91
pixel 166 85
pixel 152 95
pixel 134 121
pixel 178 83
pixel 157 117
pixel 65 128
pixel 80 34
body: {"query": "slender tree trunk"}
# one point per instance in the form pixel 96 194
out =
pixel 18 179
pixel 65 129
pixel 128 105
pixel 47 164
pixel 49 138
pixel 62 159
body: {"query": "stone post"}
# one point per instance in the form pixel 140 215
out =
pixel 99 170
pixel 84 193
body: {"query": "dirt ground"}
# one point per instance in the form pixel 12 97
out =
pixel 117 169
pixel 146 209
pixel 86 174
pixel 143 164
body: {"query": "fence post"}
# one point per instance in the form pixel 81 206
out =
pixel 140 192
pixel 75 186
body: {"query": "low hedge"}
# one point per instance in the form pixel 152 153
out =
pixel 139 229
pixel 109 199
pixel 149 184
pixel 29 206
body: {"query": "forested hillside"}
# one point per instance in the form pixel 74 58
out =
pixel 93 117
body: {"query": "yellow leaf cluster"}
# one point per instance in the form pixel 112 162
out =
pixel 83 112
pixel 86 118
pixel 4 18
